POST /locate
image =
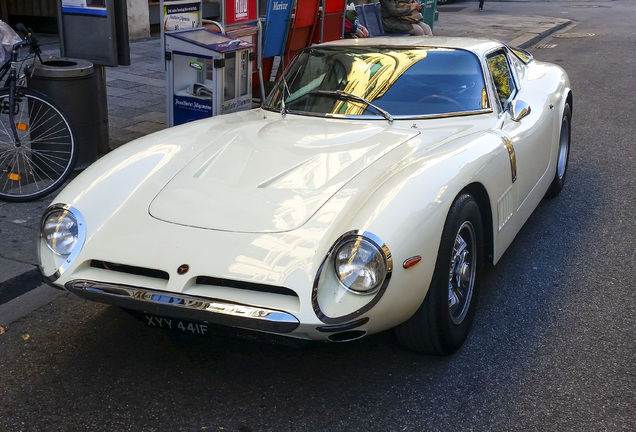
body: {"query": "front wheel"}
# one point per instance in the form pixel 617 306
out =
pixel 442 323
pixel 37 148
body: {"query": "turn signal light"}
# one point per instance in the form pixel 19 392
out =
pixel 411 261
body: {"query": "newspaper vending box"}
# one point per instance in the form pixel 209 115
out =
pixel 207 74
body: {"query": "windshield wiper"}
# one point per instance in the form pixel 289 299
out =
pixel 353 97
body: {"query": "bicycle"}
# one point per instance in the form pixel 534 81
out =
pixel 37 145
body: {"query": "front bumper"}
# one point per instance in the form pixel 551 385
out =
pixel 186 307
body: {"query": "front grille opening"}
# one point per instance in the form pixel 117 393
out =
pixel 122 268
pixel 214 281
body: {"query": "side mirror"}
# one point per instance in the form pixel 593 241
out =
pixel 519 109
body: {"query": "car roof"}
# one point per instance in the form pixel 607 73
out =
pixel 478 46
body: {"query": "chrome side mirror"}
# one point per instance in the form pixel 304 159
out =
pixel 519 109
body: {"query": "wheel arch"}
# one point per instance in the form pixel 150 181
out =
pixel 570 101
pixel 480 194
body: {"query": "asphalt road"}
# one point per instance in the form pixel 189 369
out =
pixel 553 346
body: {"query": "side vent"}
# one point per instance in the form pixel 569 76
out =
pixel 504 208
pixel 121 268
pixel 213 281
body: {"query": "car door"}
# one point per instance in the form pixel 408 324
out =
pixel 530 136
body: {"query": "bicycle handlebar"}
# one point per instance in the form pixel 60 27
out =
pixel 29 39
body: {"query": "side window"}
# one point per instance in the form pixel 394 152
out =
pixel 502 77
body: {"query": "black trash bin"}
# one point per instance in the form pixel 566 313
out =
pixel 78 90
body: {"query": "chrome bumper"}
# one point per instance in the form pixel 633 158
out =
pixel 185 307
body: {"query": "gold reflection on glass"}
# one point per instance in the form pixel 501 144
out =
pixel 373 74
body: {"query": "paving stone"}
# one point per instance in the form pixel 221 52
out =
pixel 135 79
pixel 146 127
pixel 130 102
pixel 122 111
pixel 116 122
pixel 113 92
pixel 154 97
pixel 12 268
pixel 154 116
pixel 19 242
pixel 120 83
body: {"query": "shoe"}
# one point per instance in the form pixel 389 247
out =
pixel 481 9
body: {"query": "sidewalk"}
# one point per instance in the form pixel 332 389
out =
pixel 136 107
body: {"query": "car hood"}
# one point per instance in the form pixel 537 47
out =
pixel 271 176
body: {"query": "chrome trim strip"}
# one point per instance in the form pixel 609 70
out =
pixel 185 307
pixel 343 327
pixel 378 293
pixel 511 151
pixel 81 238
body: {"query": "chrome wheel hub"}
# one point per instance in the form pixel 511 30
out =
pixel 461 276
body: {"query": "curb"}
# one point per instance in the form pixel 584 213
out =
pixel 20 284
pixel 528 39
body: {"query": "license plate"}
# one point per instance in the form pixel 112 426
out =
pixel 177 324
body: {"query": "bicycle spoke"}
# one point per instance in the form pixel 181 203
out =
pixel 43 156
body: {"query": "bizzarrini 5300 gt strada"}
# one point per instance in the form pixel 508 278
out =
pixel 364 194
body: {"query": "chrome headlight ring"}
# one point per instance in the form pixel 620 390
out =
pixel 348 259
pixel 360 265
pixel 63 230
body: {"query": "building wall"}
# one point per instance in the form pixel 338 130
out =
pixel 138 22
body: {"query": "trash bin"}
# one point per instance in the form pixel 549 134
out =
pixel 74 86
pixel 429 7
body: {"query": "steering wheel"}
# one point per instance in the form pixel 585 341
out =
pixel 437 98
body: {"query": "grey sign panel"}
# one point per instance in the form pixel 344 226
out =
pixel 89 30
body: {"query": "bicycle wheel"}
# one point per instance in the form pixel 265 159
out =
pixel 42 156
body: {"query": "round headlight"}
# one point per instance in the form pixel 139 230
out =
pixel 60 231
pixel 360 265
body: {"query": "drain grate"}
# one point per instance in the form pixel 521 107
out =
pixel 545 46
pixel 573 35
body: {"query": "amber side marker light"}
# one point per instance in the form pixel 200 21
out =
pixel 411 261
pixel 22 126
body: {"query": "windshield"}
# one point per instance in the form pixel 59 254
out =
pixel 374 81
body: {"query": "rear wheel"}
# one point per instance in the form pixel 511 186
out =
pixel 563 154
pixel 442 323
pixel 37 149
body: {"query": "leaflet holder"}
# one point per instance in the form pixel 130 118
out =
pixel 207 74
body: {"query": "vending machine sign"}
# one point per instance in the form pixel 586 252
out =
pixel 84 7
pixel 179 15
pixel 240 11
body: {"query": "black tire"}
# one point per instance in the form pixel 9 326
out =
pixel 563 155
pixel 45 154
pixel 439 326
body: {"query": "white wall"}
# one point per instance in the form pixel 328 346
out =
pixel 138 23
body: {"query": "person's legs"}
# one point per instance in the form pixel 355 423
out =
pixel 481 4
pixel 421 29
pixel 416 30
pixel 426 28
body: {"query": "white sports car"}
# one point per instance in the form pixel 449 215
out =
pixel 363 195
